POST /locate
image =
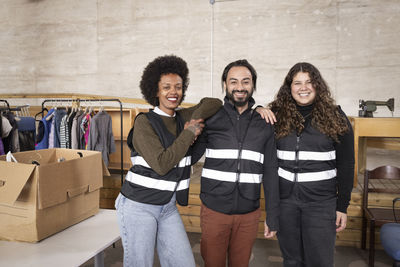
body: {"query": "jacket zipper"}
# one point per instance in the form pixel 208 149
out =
pixel 239 155
pixel 296 169
pixel 238 168
pixel 240 143
pixel 238 175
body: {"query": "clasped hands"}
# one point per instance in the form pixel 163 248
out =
pixel 195 126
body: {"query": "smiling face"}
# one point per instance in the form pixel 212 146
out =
pixel 169 92
pixel 302 89
pixel 239 86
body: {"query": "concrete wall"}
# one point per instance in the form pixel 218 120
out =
pixel 101 46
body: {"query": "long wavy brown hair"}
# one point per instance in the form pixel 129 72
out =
pixel 326 116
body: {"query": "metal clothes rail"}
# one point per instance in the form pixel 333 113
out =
pixel 17 109
pixel 80 100
pixel 6 102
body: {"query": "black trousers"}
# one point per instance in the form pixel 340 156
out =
pixel 307 232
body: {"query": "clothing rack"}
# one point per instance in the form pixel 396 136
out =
pixel 6 102
pixel 80 100
pixel 8 108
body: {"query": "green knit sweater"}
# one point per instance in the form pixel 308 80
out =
pixel 147 143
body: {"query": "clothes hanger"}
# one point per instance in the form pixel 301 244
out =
pixel 52 114
pixel 41 112
pixel 101 107
pixel 87 107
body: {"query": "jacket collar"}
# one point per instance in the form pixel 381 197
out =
pixel 231 108
pixel 158 111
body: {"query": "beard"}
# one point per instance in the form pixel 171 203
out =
pixel 239 102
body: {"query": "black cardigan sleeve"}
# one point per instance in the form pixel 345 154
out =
pixel 271 181
pixel 345 167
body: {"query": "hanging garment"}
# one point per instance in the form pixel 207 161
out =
pixel 51 134
pixel 75 130
pixel 11 143
pixel 1 133
pixel 1 147
pixel 42 141
pixel 85 127
pixel 60 113
pixel 70 120
pixel 101 136
pixel 26 133
pixel 79 133
pixel 64 135
pixel 5 127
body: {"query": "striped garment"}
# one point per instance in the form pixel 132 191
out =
pixel 64 135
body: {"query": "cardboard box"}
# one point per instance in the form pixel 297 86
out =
pixel 37 201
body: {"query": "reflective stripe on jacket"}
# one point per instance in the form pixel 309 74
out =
pixel 308 160
pixel 143 184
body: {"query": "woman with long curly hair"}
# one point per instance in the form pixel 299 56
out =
pixel 162 139
pixel 316 167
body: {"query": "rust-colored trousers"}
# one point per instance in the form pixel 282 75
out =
pixel 229 236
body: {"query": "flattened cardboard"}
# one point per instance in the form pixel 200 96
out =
pixel 50 197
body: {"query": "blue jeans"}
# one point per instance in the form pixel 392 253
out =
pixel 144 226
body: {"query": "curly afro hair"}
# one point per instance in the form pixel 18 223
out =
pixel 326 116
pixel 155 69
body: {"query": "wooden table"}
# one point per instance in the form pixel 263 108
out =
pixel 370 127
pixel 71 247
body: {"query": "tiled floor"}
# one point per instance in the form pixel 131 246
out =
pixel 266 253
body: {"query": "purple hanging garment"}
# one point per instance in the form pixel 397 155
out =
pixel 1 147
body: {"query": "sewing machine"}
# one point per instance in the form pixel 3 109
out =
pixel 369 106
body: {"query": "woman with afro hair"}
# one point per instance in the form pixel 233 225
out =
pixel 315 147
pixel 161 157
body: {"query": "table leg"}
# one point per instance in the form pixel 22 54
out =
pixel 362 155
pixel 356 138
pixel 99 259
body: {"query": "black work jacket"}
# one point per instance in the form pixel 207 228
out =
pixel 240 154
pixel 143 184
pixel 307 161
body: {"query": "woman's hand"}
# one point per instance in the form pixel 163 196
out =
pixel 266 114
pixel 195 126
pixel 341 221
pixel 267 232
